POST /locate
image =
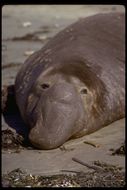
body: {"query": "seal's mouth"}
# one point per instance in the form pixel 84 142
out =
pixel 52 131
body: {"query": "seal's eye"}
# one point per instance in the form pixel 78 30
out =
pixel 83 91
pixel 45 86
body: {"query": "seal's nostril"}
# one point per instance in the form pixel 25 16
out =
pixel 45 86
pixel 83 91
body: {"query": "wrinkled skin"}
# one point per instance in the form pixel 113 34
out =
pixel 75 84
pixel 60 109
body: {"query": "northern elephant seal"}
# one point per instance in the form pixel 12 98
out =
pixel 75 84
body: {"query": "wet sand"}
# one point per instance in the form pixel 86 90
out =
pixel 19 21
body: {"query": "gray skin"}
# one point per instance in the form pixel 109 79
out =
pixel 75 84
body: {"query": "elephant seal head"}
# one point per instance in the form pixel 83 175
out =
pixel 62 104
pixel 55 113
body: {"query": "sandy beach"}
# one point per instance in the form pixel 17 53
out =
pixel 25 29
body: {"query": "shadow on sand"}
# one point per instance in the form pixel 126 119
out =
pixel 11 112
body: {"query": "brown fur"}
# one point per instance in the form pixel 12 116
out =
pixel 89 55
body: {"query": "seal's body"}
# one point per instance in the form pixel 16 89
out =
pixel 76 83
